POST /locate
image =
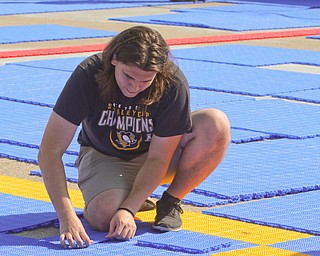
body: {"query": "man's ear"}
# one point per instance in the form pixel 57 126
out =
pixel 114 60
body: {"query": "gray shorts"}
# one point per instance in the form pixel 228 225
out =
pixel 99 172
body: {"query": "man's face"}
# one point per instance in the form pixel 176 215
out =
pixel 131 79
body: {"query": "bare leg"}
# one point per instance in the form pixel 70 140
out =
pixel 204 149
pixel 102 208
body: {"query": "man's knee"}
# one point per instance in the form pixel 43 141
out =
pixel 101 209
pixel 99 218
pixel 213 126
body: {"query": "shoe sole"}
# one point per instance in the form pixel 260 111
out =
pixel 167 229
pixel 148 205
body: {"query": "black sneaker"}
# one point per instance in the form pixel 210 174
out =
pixel 168 214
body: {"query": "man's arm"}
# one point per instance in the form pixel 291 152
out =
pixel 56 139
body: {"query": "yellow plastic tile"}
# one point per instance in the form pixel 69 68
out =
pixel 259 251
pixel 231 229
pixel 35 190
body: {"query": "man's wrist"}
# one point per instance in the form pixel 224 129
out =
pixel 126 209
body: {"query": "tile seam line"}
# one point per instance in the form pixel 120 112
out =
pixel 171 42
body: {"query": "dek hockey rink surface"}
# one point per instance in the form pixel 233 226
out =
pixel 264 197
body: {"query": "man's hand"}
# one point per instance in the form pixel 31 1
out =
pixel 122 226
pixel 73 234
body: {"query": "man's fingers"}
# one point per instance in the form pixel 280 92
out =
pixel 122 233
pixel 78 241
pixel 86 239
pixel 63 241
pixel 128 233
pixel 75 241
pixel 66 241
pixel 132 233
pixel 71 241
pixel 115 231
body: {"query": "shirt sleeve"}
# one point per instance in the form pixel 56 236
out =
pixel 73 102
pixel 173 114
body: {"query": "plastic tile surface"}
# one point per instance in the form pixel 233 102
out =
pixel 281 212
pixel 237 21
pixel 36 33
pixel 247 55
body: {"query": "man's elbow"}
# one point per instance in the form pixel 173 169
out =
pixel 46 155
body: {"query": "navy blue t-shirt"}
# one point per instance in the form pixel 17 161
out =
pixel 122 128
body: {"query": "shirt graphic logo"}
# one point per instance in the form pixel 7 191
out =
pixel 125 141
pixel 128 125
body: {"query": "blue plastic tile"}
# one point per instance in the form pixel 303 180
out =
pixel 152 242
pixel 146 236
pixel 18 213
pixel 201 99
pixel 236 21
pixel 27 83
pixel 276 117
pixel 243 136
pixel 10 240
pixel 293 212
pixel 314 37
pixel 256 170
pixel 245 80
pixel 205 99
pixel 38 33
pixel 95 236
pixel 21 246
pixel 247 7
pixel 290 11
pixel 248 55
pixel 312 96
pixel 29 154
pixel 71 173
pixel 194 199
pixel 66 64
pixel 299 3
pixel 16 245
pixel 34 6
pixel 309 246
pixel 33 118
pixel 185 241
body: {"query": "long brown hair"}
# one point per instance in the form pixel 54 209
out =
pixel 143 47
